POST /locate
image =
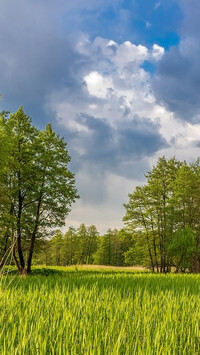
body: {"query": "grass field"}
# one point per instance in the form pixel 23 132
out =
pixel 104 311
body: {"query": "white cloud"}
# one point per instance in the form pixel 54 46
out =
pixel 116 88
pixel 98 85
pixel 157 52
pixel 117 91
pixel 127 53
pixel 118 78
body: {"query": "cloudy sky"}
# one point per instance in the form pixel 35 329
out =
pixel 119 79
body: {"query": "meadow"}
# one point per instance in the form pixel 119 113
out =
pixel 99 311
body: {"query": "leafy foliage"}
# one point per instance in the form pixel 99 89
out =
pixel 38 189
pixel 166 212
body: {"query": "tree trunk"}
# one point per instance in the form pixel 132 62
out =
pixel 154 245
pixel 197 257
pixel 159 217
pixel 196 268
pixel 15 260
pixel 148 242
pixel 33 236
pixel 179 264
pixel 19 215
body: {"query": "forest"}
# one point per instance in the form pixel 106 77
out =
pixel 161 219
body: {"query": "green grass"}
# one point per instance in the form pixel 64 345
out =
pixel 70 311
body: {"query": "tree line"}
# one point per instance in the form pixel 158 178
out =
pixel 85 245
pixel 162 224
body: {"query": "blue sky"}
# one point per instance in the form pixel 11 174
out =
pixel 120 80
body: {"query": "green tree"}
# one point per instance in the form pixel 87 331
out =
pixel 55 189
pixel 70 246
pixel 182 248
pixel 152 211
pixel 108 252
pixel 160 186
pixel 38 185
pixel 91 244
pixel 5 218
pixel 187 204
pixel 138 218
pixel 56 248
pixel 137 253
pixel 86 244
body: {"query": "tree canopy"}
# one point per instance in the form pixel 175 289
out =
pixel 38 189
pixel 165 211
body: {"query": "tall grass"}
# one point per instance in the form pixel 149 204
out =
pixel 97 312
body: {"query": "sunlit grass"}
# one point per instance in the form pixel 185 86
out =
pixel 99 312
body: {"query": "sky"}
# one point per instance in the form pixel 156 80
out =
pixel 118 79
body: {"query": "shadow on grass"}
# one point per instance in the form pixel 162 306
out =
pixel 125 283
pixel 50 271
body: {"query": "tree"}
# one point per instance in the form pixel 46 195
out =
pixel 55 189
pixel 139 219
pixel 160 187
pixel 38 185
pixel 109 251
pixel 5 217
pixel 187 204
pixel 137 253
pixel 91 244
pixel 182 248
pixel 56 247
pixel 70 246
pixel 86 244
pixel 162 209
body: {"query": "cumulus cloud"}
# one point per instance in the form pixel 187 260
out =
pixel 114 118
pixel 98 85
pixel 112 85
pixel 157 52
pixel 116 126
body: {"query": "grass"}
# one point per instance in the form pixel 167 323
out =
pixel 94 268
pixel 80 311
